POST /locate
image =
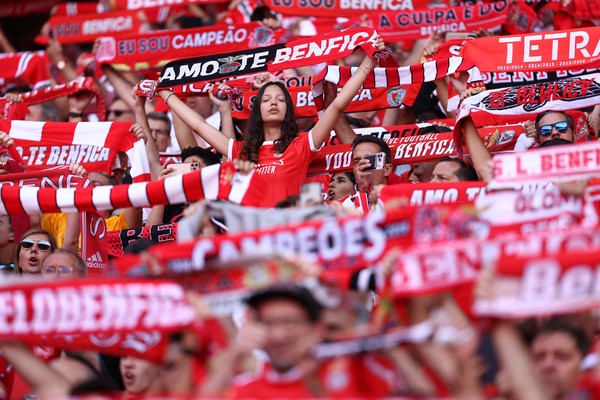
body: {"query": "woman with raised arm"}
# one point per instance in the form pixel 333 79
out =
pixel 271 139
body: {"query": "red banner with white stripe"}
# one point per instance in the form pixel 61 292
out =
pixel 536 286
pixel 92 144
pixel 557 163
pixel 543 51
pixel 154 49
pixel 29 68
pixel 422 23
pixel 93 306
pixel 86 28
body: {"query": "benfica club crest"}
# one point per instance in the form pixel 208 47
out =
pixel 395 96
pixel 261 37
pixel 231 64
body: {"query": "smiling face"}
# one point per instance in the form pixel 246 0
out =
pixel 31 260
pixel 272 105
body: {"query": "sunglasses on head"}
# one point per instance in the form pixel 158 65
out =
pixel 561 127
pixel 42 245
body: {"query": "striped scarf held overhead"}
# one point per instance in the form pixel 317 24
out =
pixel 213 182
pixel 392 77
pixel 40 145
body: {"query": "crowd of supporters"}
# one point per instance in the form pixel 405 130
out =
pixel 321 253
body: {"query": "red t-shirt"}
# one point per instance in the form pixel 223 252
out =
pixel 285 172
pixel 341 377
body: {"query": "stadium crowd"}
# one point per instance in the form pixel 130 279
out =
pixel 291 199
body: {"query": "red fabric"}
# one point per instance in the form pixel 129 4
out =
pixel 337 8
pixel 285 173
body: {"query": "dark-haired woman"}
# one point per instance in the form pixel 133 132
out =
pixel 271 139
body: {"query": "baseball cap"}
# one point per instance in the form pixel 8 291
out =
pixel 294 292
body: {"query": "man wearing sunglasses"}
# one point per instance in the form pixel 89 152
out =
pixel 551 125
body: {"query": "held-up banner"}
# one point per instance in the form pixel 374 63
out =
pixel 144 4
pixel 98 306
pixel 118 240
pixel 276 57
pixel 86 28
pixel 535 286
pixel 154 49
pixel 544 51
pixel 422 23
pixel 433 268
pixel 557 163
pixel 413 149
pixel 563 94
pixel 343 8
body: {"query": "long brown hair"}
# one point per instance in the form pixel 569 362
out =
pixel 25 235
pixel 254 135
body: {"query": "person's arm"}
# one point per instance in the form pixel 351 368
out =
pixel 158 211
pixel 122 86
pixel 212 136
pixel 480 156
pixel 517 363
pixel 5 44
pixel 343 130
pixel 47 382
pixel 141 119
pixel 224 107
pixel 323 127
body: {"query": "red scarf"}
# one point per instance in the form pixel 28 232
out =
pixel 298 53
pixel 159 47
pixel 22 8
pixel 93 144
pixel 535 52
pixel 584 9
pixel 436 268
pixel 211 183
pixel 421 23
pixel 17 111
pixel 532 286
pixel 93 227
pixel 413 149
pixel 118 240
pixel 28 68
pixel 557 163
pixel 96 306
pixel 304 106
pixel 148 4
pixel 86 28
pixel 342 8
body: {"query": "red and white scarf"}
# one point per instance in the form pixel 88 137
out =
pixel 211 183
pixel 147 4
pixel 297 53
pixel 17 111
pixel 159 47
pixel 93 144
pixel 546 51
pixel 93 227
pixel 86 28
pixel 421 23
pixel 101 305
pixel 557 163
pixel 392 77
pixel 413 149
pixel 117 241
pixel 536 286
pixel 28 68
pixel 342 8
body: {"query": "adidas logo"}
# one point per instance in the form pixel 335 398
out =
pixel 95 261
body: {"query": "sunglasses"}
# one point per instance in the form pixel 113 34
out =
pixel 42 245
pixel 117 113
pixel 561 127
pixel 61 270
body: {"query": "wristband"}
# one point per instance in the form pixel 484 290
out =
pixel 167 98
pixel 75 115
